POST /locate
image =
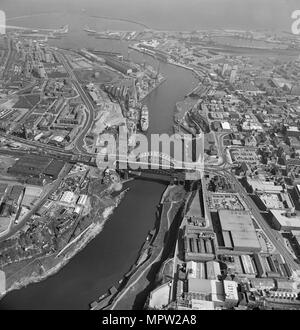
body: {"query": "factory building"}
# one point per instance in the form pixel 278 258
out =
pixel 123 67
pixel 198 245
pixel 231 293
pixel 221 293
pixel 271 266
pixel 82 200
pixel 68 198
pixel 203 270
pixel 196 215
pixel 237 231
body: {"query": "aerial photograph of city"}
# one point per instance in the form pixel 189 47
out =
pixel 150 156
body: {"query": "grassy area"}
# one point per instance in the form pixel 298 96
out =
pixel 176 193
pixel 27 102
pixel 5 163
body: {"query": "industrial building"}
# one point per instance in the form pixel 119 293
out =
pixel 203 270
pixel 82 200
pixel 276 200
pixel 231 292
pixel 31 195
pixel 198 245
pixel 2 282
pixel 228 201
pixel 283 220
pixel 222 293
pixel 271 266
pixel 69 198
pixel 211 290
pixel 196 214
pixel 160 296
pixel 240 265
pixel 264 186
pixel 123 67
pixel 237 231
pixel 276 288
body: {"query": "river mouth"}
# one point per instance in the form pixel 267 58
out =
pixel 104 261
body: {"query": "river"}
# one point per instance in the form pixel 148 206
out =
pixel 109 256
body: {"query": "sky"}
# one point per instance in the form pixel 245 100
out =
pixel 254 14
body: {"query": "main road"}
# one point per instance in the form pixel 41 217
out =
pixel 273 235
pixel 88 104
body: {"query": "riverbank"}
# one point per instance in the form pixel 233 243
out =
pixel 109 256
pixel 57 261
pixel 136 292
pixel 149 53
pixel 135 282
pixel 154 88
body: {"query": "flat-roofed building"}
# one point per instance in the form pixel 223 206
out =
pixel 202 305
pixel 31 195
pixel 293 131
pixel 54 168
pixel 195 215
pixel 2 282
pixel 211 290
pixel 204 270
pixel 266 186
pixel 276 200
pixel 225 126
pixel 238 231
pixel 69 198
pixel 160 296
pixel 231 292
pixel 283 220
pixel 262 283
pixel 33 191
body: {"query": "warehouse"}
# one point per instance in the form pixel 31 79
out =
pixel 123 67
pixel 198 245
pixel 203 270
pixel 238 231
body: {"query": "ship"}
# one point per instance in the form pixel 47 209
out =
pixel 62 30
pixel 144 118
pixel 87 29
pixel 131 133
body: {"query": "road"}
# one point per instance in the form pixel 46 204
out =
pixel 88 104
pixel 273 235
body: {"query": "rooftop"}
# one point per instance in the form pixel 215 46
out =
pixel 286 221
pixel 241 229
